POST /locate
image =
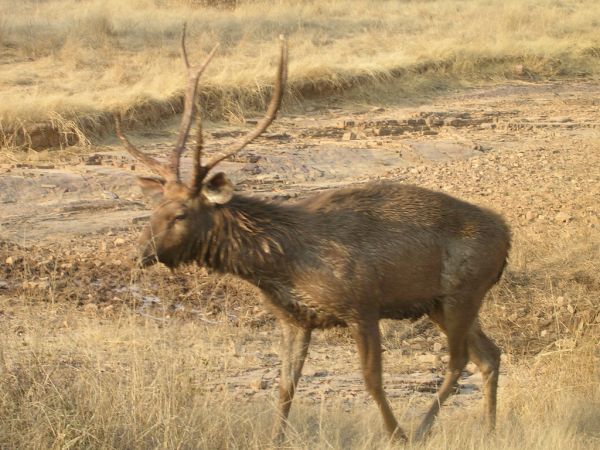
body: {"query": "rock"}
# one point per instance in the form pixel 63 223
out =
pixel 520 70
pixel 119 241
pixel 383 131
pixel 349 136
pixel 40 285
pixel 9 261
pixel 428 358
pixel 560 119
pixel 471 368
pixel 565 344
pixel 456 122
pixel 259 384
pixel 434 121
pixel 90 307
pixel 437 347
pixel 563 217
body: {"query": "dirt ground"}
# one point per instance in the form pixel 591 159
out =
pixel 529 151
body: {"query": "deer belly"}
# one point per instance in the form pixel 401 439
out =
pixel 410 292
pixel 305 311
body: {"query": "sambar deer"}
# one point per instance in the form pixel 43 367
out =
pixel 347 257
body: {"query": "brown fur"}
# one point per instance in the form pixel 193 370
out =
pixel 350 257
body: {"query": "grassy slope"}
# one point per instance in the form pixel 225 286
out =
pixel 67 59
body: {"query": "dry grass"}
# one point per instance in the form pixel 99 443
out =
pixel 117 375
pixel 67 60
pixel 71 381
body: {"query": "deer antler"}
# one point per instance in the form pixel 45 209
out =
pixel 194 73
pixel 201 171
pixel 170 172
pixel 154 165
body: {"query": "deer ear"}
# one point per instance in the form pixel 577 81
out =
pixel 153 188
pixel 218 189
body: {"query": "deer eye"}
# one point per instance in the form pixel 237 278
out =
pixel 180 216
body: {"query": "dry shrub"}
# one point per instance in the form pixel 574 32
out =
pixel 81 59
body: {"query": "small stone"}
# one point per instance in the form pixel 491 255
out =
pixel 9 261
pixel 428 358
pixel 259 384
pixel 437 347
pixel 530 216
pixel 349 136
pixel 560 119
pixel 456 122
pixel 471 367
pixel 90 307
pixel 519 70
pixel 445 359
pixel 119 241
pixel 565 344
pixel 383 131
pixel 563 217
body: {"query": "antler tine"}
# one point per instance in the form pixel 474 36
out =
pixel 157 167
pixel 194 73
pixel 271 110
pixel 183 49
pixel 199 171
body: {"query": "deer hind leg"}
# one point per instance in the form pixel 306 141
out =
pixel 368 340
pixel 455 321
pixel 293 353
pixel 484 353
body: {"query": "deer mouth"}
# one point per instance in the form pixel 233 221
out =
pixel 147 261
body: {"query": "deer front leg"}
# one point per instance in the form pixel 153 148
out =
pixel 368 340
pixel 293 353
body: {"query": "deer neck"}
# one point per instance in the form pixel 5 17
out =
pixel 249 238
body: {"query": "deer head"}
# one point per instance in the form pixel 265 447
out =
pixel 183 216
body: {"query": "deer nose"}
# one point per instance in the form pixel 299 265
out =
pixel 146 257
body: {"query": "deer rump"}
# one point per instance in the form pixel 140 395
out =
pixel 383 250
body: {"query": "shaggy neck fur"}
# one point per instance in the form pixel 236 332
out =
pixel 249 236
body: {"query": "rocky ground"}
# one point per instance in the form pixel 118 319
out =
pixel 529 151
